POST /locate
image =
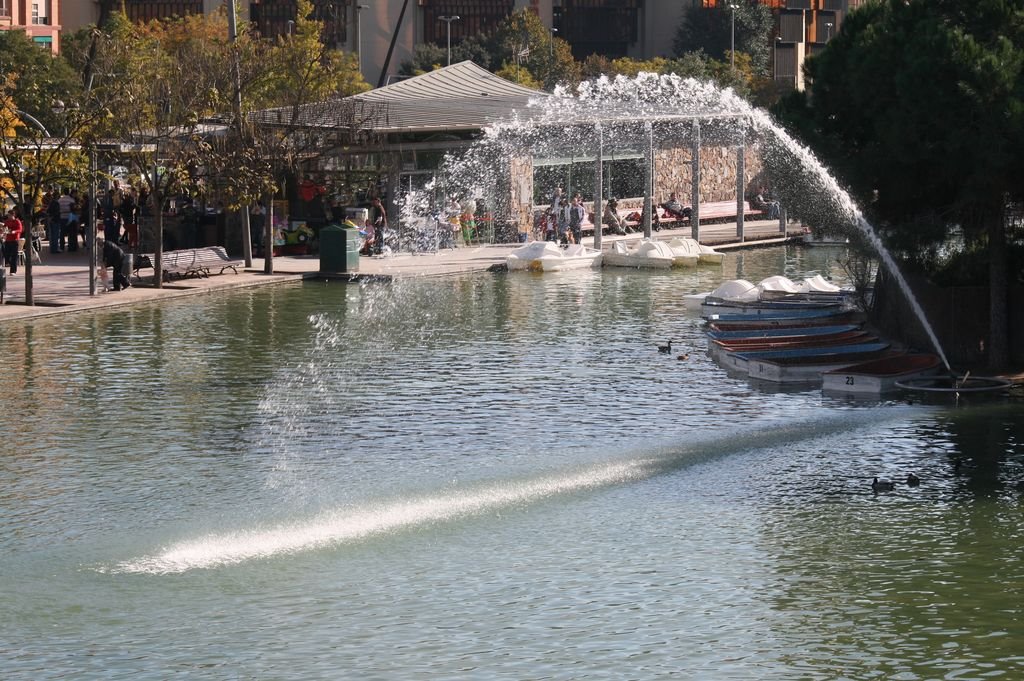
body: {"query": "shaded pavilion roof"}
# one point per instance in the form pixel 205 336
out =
pixel 465 97
pixel 462 96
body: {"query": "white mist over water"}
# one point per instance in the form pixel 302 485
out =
pixel 614 111
pixel 334 527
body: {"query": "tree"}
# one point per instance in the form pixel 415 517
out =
pixel 521 39
pixel 426 57
pixel 300 68
pixel 42 79
pixel 36 145
pixel 518 74
pixel 710 30
pixel 920 105
pixel 474 49
pixel 158 82
pixel 302 116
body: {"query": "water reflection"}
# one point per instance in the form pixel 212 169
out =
pixel 507 454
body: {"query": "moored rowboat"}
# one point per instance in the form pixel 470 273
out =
pixel 795 357
pixel 879 376
pixel 716 347
pixel 783 332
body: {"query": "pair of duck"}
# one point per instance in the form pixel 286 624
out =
pixel 667 348
pixel 884 485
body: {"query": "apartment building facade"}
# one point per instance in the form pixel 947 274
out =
pixel 640 29
pixel 40 19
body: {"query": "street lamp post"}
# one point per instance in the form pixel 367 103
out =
pixel 775 58
pixel 359 34
pixel 828 31
pixel 448 22
pixel 732 53
pixel 551 45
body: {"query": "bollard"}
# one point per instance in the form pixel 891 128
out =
pixel 3 284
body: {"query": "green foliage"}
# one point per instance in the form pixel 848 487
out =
pixel 922 102
pixel 301 69
pixel 710 30
pixel 426 57
pixel 518 74
pixel 474 49
pixel 41 78
pixel 522 38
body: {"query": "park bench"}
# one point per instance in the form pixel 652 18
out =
pixel 191 262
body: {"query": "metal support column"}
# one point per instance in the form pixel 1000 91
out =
pixel 695 183
pixel 599 185
pixel 90 229
pixel 741 181
pixel 648 177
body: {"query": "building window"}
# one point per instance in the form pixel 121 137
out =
pixel 606 27
pixel 147 10
pixel 40 12
pixel 5 8
pixel 475 18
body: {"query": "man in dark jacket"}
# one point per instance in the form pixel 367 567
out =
pixel 113 257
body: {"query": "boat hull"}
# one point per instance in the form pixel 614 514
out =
pixel 783 332
pixel 768 318
pixel 880 376
pixel 717 347
pixel 637 261
pixel 548 257
pixel 799 364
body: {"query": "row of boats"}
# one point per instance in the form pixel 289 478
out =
pixel 783 332
pixel 547 256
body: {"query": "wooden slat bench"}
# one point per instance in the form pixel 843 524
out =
pixel 192 262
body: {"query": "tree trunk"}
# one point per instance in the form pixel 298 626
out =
pixel 158 248
pixel 999 327
pixel 268 237
pixel 26 233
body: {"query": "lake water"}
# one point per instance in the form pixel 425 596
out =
pixel 486 477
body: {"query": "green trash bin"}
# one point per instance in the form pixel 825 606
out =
pixel 339 249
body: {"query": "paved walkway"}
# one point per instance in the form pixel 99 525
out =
pixel 61 282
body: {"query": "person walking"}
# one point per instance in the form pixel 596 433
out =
pixel 69 232
pixel 12 234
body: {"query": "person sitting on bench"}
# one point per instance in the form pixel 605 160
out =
pixel 763 202
pixel 676 210
pixel 611 218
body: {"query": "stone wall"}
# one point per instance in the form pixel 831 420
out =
pixel 673 172
pixel 521 192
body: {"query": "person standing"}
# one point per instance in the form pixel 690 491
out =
pixel 54 226
pixel 257 223
pixel 577 214
pixel 66 201
pixel 12 234
pixel 380 223
pixel 130 215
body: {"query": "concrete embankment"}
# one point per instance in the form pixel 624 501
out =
pixel 61 281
